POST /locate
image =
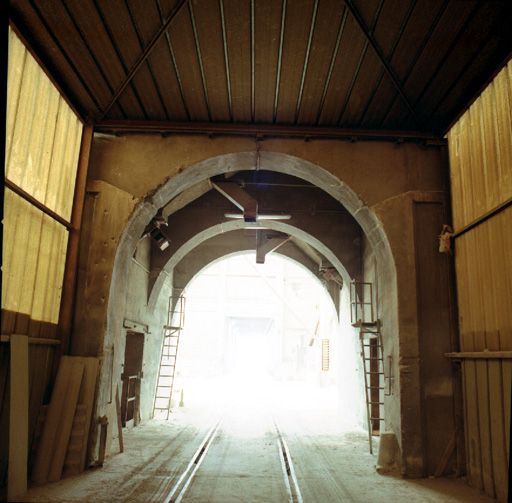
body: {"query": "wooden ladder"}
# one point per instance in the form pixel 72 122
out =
pixel 168 358
pixel 373 367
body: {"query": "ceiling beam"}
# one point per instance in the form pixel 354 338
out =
pixel 262 130
pixel 144 56
pixel 385 63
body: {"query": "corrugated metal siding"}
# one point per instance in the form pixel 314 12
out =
pixel 481 172
pixel 43 133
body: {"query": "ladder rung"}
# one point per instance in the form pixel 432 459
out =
pixel 376 419
pixel 381 373
pixel 375 403
pixel 374 358
pixel 374 387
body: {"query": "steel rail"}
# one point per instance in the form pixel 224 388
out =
pixel 291 482
pixel 186 477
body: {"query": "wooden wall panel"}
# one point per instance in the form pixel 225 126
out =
pixel 480 147
pixel 487 414
pixel 43 139
pixel 43 133
pixel 484 283
pixel 34 254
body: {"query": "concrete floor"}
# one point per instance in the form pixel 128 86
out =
pixel 243 464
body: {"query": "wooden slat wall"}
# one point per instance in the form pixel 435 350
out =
pixel 480 145
pixel 42 145
pixel 481 173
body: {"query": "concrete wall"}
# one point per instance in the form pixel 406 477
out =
pixel 376 181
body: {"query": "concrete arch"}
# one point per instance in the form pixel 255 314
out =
pixel 240 224
pixel 395 327
pixel 271 161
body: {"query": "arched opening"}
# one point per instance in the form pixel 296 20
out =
pixel 375 252
pixel 267 337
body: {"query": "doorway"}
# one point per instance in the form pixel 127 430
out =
pixel 131 378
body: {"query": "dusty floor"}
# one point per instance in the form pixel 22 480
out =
pixel 243 463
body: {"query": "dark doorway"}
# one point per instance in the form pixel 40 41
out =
pixel 131 377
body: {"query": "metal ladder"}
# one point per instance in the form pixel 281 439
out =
pixel 373 367
pixel 169 355
pixel 363 316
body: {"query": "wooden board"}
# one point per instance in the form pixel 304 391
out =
pixel 499 451
pixel 119 421
pixel 86 398
pixel 18 419
pixel 50 430
pixel 65 423
pixel 484 426
pixel 473 435
pixel 77 442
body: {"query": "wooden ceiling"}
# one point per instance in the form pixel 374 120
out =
pixel 407 65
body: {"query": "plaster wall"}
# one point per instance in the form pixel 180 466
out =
pixel 376 181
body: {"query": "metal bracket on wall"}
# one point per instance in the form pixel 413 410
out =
pixel 389 377
pixel 135 325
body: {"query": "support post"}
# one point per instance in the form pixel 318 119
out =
pixel 70 271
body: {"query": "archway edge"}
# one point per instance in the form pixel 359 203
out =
pixel 282 256
pixel 217 229
pixel 271 161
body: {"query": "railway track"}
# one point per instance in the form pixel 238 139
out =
pixel 184 483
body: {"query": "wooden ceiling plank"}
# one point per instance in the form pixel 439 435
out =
pixel 117 22
pixel 90 24
pixel 446 36
pixel 168 83
pixel 360 23
pixel 443 37
pixel 397 14
pixel 468 84
pixel 146 21
pixel 238 40
pixel 209 33
pixel 362 90
pixel 306 60
pixel 45 44
pixel 415 36
pixel 378 105
pixel 165 8
pixel 279 58
pixel 327 82
pixel 299 14
pixel 267 25
pixel 58 22
pixel 351 45
pixel 200 60
pixel 325 43
pixel 480 28
pixel 182 39
pixel 145 53
pixel 368 32
pixel 93 53
pixel 130 97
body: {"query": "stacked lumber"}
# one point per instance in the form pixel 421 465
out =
pixel 62 445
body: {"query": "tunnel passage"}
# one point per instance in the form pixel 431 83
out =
pixel 386 250
pixel 334 230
